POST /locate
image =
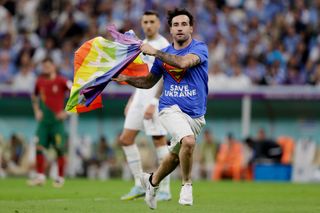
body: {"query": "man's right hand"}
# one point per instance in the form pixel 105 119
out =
pixel 120 78
pixel 38 115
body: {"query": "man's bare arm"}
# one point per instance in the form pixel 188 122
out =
pixel 182 62
pixel 35 102
pixel 36 108
pixel 159 90
pixel 145 82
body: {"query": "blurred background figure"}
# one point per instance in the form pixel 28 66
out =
pixel 254 70
pixel 304 167
pixel 238 80
pixel 229 160
pixel 217 79
pixel 25 79
pixel 121 168
pixel 287 145
pixel 266 150
pixel 83 155
pixel 207 154
pixel 102 160
pixel 66 67
pixel 49 49
pixel 7 68
pixel 16 158
pixel 48 106
pixel 248 159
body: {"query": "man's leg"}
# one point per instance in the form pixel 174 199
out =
pixel 40 167
pixel 134 162
pixel 59 141
pixel 169 163
pixel 41 144
pixel 151 182
pixel 40 178
pixel 61 162
pixel 162 150
pixel 186 158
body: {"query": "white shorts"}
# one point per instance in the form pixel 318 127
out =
pixel 135 121
pixel 179 124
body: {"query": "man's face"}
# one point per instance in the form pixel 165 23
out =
pixel 150 25
pixel 180 29
pixel 48 68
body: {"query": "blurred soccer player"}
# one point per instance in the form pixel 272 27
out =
pixel 182 105
pixel 48 106
pixel 142 114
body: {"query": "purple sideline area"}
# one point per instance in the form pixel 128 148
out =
pixel 267 93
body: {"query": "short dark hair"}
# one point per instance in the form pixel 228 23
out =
pixel 178 12
pixel 151 12
pixel 48 59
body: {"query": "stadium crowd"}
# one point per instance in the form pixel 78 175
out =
pixel 252 42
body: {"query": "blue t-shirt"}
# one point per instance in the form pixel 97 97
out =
pixel 187 88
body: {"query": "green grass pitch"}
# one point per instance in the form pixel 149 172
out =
pixel 79 195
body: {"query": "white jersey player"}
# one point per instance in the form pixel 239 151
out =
pixel 142 114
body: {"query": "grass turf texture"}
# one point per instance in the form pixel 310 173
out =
pixel 79 195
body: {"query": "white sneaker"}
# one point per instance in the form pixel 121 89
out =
pixel 150 191
pixel 163 196
pixel 135 192
pixel 39 180
pixel 58 183
pixel 186 195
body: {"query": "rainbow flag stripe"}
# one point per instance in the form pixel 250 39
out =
pixel 96 62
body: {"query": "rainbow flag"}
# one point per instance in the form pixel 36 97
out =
pixel 96 62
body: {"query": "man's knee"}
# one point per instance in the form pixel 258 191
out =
pixel 127 138
pixel 159 141
pixel 174 158
pixel 188 142
pixel 124 140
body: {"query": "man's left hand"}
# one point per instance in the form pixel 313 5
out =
pixel 62 115
pixel 148 49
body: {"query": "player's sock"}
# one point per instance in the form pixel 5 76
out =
pixel 134 162
pixel 61 164
pixel 162 151
pixel 40 163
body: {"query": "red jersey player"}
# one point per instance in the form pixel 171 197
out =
pixel 48 106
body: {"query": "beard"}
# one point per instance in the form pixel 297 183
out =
pixel 182 40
